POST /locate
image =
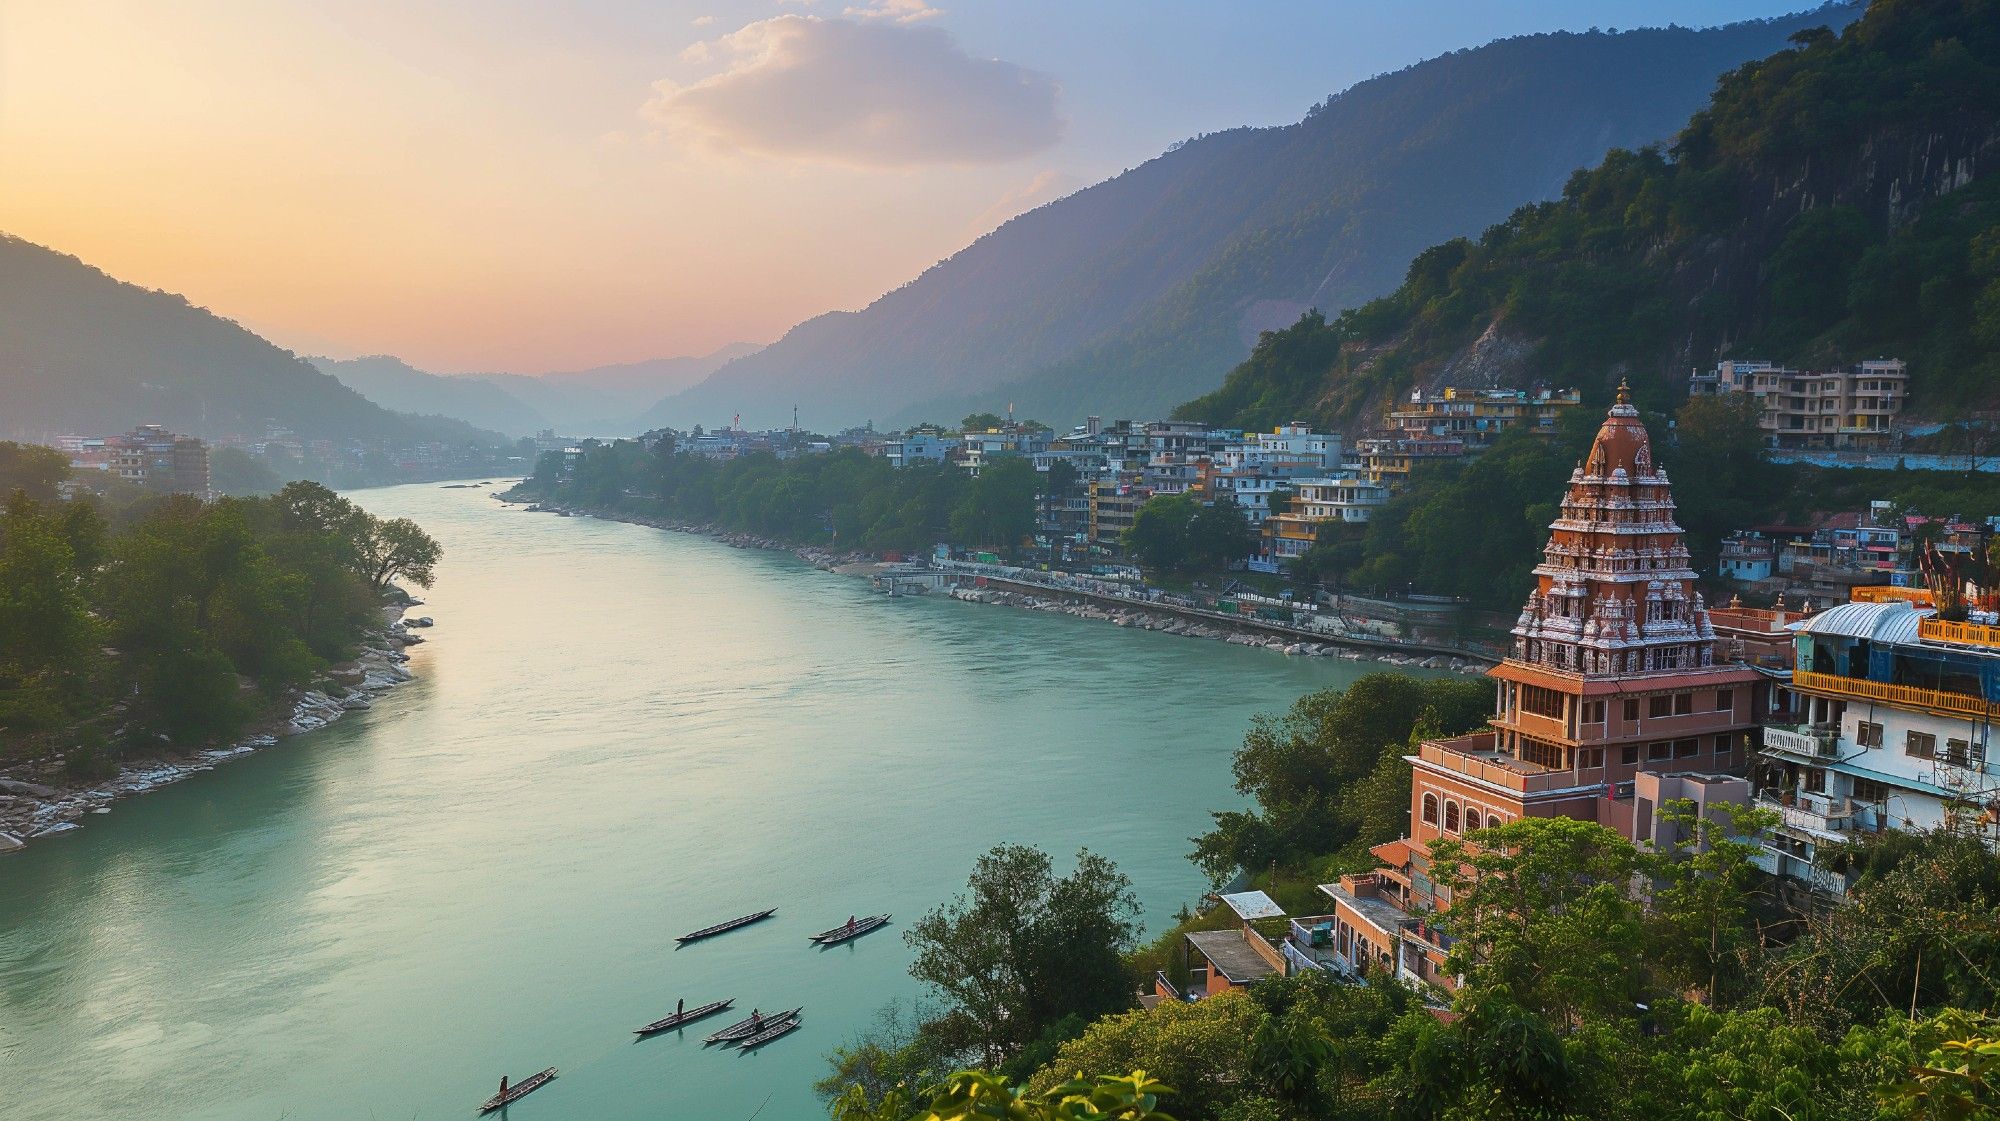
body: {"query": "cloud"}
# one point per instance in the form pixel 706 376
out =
pixel 895 11
pixel 702 21
pixel 879 93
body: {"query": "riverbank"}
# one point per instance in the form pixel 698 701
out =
pixel 41 799
pixel 1138 613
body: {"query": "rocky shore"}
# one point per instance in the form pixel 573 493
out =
pixel 42 799
pixel 1164 623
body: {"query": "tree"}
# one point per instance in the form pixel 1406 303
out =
pixel 1180 534
pixel 975 1094
pixel 397 548
pixel 1541 910
pixel 1204 1047
pixel 980 422
pixel 1699 923
pixel 1024 948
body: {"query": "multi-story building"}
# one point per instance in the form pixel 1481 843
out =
pixel 1611 701
pixel 918 447
pixel 977 448
pixel 149 456
pixel 1854 408
pixel 1477 417
pixel 1894 731
pixel 1317 504
pixel 1391 459
pixel 1114 503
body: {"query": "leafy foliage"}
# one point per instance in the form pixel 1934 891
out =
pixel 1178 533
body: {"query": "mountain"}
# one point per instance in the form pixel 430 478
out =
pixel 84 352
pixel 395 384
pixel 1142 290
pixel 1833 202
pixel 617 399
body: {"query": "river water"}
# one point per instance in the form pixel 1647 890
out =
pixel 616 735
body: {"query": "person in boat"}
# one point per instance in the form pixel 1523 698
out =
pixel 850 926
pixel 756 1022
pixel 680 1007
pixel 503 1086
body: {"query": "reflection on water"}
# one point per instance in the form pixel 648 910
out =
pixel 617 735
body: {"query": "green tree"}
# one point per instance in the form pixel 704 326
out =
pixel 1204 1047
pixel 1542 911
pixel 1024 948
pixel 976 1094
pixel 1700 932
pixel 397 549
pixel 980 422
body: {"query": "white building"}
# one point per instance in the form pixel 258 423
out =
pixel 1895 728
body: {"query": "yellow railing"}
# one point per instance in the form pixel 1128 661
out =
pixel 1910 696
pixel 1967 634
pixel 1883 593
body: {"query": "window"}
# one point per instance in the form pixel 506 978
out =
pixel 1920 745
pixel 1593 712
pixel 1471 819
pixel 1957 752
pixel 1631 710
pixel 1660 750
pixel 1723 747
pixel 1725 700
pixel 1868 734
pixel 1657 707
pixel 1686 749
pixel 1816 781
pixel 1629 754
pixel 1868 790
pixel 1431 809
pixel 1450 816
pixel 1683 703
pixel 1542 754
pixel 1541 701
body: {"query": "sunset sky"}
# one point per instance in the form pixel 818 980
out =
pixel 499 184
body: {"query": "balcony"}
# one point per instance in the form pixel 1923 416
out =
pixel 1960 634
pixel 1473 756
pixel 1815 813
pixel 1907 696
pixel 1807 740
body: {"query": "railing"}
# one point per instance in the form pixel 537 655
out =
pixel 1909 696
pixel 1453 754
pixel 1965 634
pixel 1166 987
pixel 1813 811
pixel 1821 743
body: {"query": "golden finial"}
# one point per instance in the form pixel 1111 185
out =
pixel 1624 392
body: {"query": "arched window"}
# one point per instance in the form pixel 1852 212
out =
pixel 1471 819
pixel 1430 809
pixel 1451 817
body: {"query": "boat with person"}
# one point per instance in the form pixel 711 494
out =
pixel 751 1025
pixel 767 1035
pixel 684 1016
pixel 850 930
pixel 726 927
pixel 518 1090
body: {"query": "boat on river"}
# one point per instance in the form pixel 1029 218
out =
pixel 745 1028
pixel 848 932
pixel 767 1035
pixel 726 927
pixel 518 1090
pixel 669 1023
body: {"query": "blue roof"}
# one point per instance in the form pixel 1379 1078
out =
pixel 1894 621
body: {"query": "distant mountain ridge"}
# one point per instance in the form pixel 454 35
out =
pixel 84 352
pixel 1144 289
pixel 610 400
pixel 1835 201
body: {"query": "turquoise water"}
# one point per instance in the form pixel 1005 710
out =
pixel 617 735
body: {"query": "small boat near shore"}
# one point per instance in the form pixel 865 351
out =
pixel 518 1090
pixel 725 927
pixel 846 932
pixel 669 1023
pixel 746 1028
pixel 767 1035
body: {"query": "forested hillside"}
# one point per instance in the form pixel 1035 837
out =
pixel 1832 203
pixel 1140 291
pixel 395 384
pixel 85 352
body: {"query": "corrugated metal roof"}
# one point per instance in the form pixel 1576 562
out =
pixel 1254 905
pixel 1895 621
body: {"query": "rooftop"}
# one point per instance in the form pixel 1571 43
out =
pixel 1231 956
pixel 1889 621
pixel 1251 905
pixel 1377 912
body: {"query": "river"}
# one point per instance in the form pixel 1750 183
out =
pixel 616 735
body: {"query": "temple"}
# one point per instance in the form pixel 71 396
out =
pixel 1611 702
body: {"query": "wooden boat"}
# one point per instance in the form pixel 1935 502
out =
pixel 843 933
pixel 784 1027
pixel 519 1090
pixel 669 1023
pixel 725 927
pixel 744 1029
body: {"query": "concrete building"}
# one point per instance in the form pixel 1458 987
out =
pixel 1476 417
pixel 1894 730
pixel 149 456
pixel 1854 408
pixel 918 447
pixel 1317 504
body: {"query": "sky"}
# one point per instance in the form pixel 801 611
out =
pixel 534 185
